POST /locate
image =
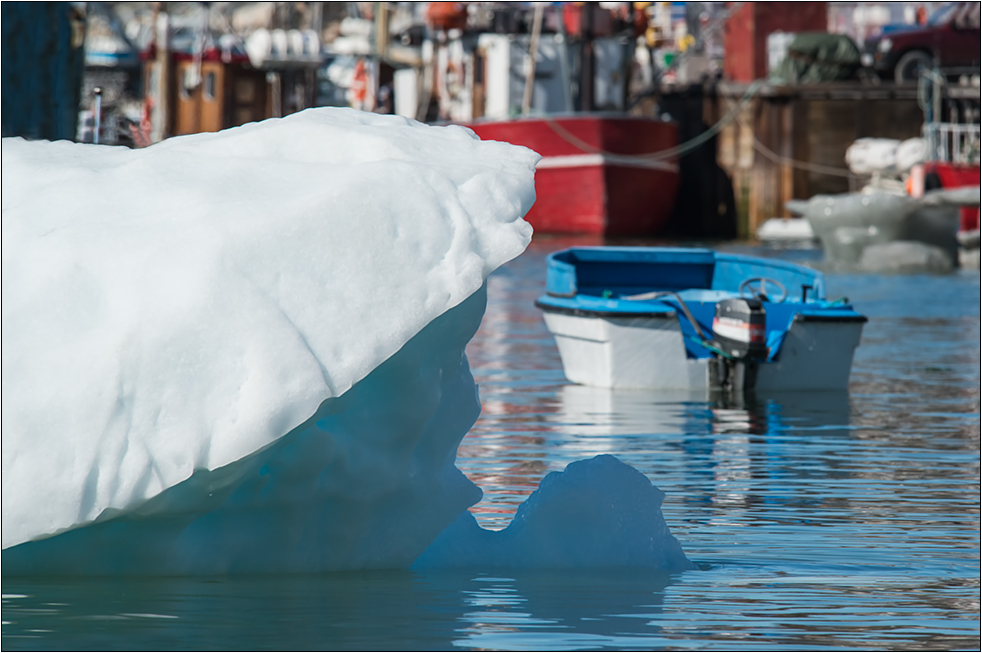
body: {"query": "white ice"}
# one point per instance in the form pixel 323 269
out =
pixel 177 308
pixel 244 351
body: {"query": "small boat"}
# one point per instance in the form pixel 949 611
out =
pixel 962 176
pixel 683 318
pixel 853 226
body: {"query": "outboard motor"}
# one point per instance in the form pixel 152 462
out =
pixel 739 329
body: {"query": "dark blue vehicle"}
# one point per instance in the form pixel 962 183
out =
pixel 949 40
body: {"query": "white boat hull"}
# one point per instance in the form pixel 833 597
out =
pixel 649 352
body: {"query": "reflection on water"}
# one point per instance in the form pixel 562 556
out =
pixel 345 611
pixel 818 520
pixel 547 610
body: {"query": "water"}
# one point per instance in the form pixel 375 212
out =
pixel 818 520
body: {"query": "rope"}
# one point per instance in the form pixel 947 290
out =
pixel 674 295
pixel 832 171
pixel 661 155
pixel 711 347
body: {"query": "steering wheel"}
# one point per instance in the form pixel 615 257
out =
pixel 761 283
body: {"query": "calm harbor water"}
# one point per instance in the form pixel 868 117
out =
pixel 818 520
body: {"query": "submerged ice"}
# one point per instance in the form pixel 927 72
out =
pixel 244 351
pixel 368 481
pixel 596 513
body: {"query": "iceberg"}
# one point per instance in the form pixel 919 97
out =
pixel 170 312
pixel 597 513
pixel 243 352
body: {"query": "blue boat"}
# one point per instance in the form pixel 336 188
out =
pixel 693 319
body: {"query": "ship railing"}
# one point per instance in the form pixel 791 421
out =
pixel 953 142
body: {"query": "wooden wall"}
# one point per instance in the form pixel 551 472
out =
pixel 200 109
pixel 229 95
pixel 807 129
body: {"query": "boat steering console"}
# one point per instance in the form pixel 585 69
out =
pixel 746 289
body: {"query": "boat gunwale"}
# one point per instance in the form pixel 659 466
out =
pixel 810 311
pixel 818 317
pixel 566 262
pixel 600 313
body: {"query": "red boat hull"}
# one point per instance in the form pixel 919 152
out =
pixel 594 177
pixel 953 175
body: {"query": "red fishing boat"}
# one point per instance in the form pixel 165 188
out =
pixel 605 174
pixel 953 163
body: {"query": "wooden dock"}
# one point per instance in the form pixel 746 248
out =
pixel 788 142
